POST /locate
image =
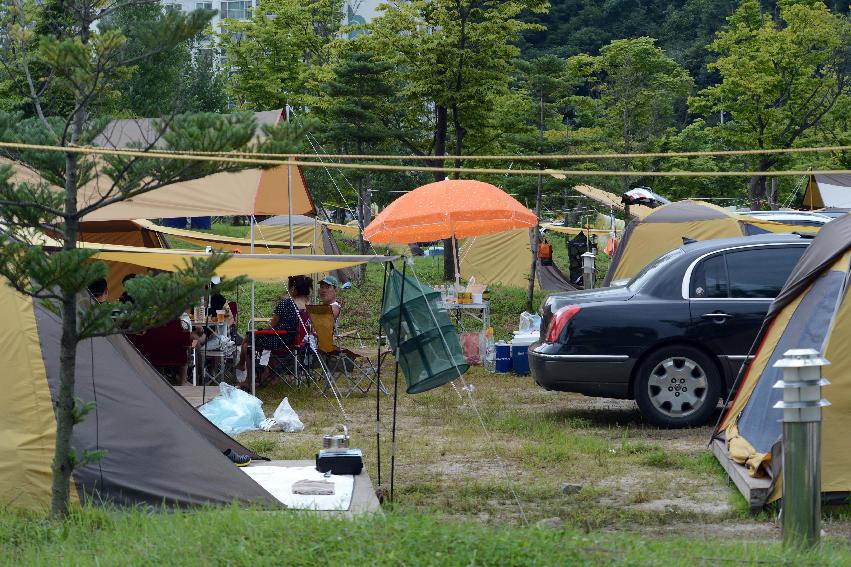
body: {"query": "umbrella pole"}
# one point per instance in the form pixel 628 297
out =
pixel 396 380
pixel 378 378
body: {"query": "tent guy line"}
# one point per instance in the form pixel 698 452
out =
pixel 558 173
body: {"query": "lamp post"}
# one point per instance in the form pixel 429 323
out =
pixel 801 405
pixel 588 259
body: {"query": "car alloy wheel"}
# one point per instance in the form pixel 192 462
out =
pixel 677 387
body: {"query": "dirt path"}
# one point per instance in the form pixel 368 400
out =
pixel 624 475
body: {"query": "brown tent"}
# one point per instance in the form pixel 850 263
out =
pixel 813 310
pixel 158 449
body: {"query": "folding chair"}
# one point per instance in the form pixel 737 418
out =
pixel 355 366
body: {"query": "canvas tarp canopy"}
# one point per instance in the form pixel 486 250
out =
pixel 828 191
pixel 813 310
pixel 223 243
pixel 611 200
pixel 574 230
pixel 258 267
pixel 246 192
pixel 158 449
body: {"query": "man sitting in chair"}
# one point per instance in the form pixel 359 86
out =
pixel 328 294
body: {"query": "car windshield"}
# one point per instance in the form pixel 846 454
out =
pixel 648 271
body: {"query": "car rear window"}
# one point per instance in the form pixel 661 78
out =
pixel 647 271
pixel 761 272
pixel 709 279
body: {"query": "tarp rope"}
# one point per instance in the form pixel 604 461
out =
pixel 445 170
pixel 525 157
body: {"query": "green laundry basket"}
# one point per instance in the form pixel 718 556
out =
pixel 428 348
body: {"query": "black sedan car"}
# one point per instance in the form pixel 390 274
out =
pixel 674 338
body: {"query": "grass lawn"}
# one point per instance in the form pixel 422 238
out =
pixel 244 537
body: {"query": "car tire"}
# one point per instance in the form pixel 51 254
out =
pixel 677 386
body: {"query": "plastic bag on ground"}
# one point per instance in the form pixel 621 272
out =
pixel 233 411
pixel 287 418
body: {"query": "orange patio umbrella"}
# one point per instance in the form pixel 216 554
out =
pixel 454 208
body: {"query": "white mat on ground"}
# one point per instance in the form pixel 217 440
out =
pixel 278 481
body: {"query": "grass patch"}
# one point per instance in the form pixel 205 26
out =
pixel 244 537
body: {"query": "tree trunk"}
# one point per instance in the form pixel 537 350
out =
pixel 756 192
pixel 441 129
pixel 63 463
pixel 772 195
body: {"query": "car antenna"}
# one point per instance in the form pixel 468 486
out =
pixel 807 235
pixel 687 240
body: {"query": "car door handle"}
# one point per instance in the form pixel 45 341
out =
pixel 716 315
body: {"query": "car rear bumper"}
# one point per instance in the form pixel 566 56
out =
pixel 592 375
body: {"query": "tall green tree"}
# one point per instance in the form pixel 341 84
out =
pixel 780 79
pixel 627 98
pixel 453 59
pixel 83 66
pixel 272 58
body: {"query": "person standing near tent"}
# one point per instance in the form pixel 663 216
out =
pixel 545 253
pixel 290 317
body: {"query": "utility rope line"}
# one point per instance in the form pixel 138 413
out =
pixel 381 167
pixel 538 157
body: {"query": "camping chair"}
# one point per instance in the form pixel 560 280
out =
pixel 355 365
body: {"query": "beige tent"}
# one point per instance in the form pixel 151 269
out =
pixel 664 228
pixel 501 257
pixel 813 310
pixel 828 191
pixel 505 258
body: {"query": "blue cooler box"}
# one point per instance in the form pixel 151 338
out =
pixel 503 357
pixel 520 351
pixel 520 358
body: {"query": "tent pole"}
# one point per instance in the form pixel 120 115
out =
pixel 251 325
pixel 289 186
pixel 396 380
pixel 378 379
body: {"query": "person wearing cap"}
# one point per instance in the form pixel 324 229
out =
pixel 328 294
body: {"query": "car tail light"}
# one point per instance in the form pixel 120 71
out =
pixel 559 320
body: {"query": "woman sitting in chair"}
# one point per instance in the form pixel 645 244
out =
pixel 290 318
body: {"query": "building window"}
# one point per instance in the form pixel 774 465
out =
pixel 203 5
pixel 236 9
